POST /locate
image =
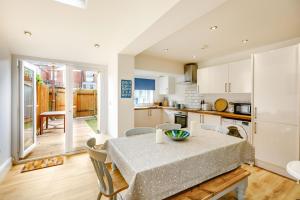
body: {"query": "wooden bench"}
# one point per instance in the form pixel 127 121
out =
pixel 217 187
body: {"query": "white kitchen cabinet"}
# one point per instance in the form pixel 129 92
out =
pixel 204 119
pixel 228 78
pixel 147 117
pixel 276 108
pixel 193 117
pixel 168 116
pixel 166 85
pixel 239 77
pixel 212 79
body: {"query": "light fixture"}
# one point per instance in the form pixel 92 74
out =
pixel 75 3
pixel 96 45
pixel 28 33
pixel 165 50
pixel 245 41
pixel 194 57
pixel 213 28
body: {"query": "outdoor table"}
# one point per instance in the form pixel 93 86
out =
pixel 51 114
pixel 156 171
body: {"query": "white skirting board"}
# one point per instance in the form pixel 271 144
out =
pixel 273 168
pixel 4 168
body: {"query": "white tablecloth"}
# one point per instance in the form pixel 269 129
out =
pixel 156 171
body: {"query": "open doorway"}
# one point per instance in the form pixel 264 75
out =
pixel 60 106
pixel 42 98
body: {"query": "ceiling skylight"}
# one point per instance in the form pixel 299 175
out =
pixel 76 3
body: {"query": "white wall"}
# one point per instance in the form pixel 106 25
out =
pixel 156 64
pixel 5 108
pixel 120 110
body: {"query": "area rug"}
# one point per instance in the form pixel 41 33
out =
pixel 43 163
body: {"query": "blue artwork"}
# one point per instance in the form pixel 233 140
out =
pixel 126 88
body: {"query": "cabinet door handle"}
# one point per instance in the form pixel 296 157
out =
pixel 229 87
pixel 254 127
pixel 255 112
pixel 225 87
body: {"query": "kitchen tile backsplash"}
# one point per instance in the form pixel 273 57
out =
pixel 192 98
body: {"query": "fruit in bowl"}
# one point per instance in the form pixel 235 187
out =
pixel 177 134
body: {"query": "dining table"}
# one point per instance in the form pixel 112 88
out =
pixel 156 171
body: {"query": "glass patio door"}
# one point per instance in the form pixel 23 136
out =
pixel 27 108
pixel 83 106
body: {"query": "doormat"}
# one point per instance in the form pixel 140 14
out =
pixel 43 163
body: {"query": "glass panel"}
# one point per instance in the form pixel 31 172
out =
pixel 85 119
pixel 28 107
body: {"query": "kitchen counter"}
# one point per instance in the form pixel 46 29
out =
pixel 222 114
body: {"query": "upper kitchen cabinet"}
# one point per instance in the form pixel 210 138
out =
pixel 212 79
pixel 239 80
pixel 166 85
pixel 228 78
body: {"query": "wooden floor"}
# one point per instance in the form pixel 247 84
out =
pixel 52 142
pixel 76 180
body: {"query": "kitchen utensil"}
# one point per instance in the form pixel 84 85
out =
pixel 206 106
pixel 221 105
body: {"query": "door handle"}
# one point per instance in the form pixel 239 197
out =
pixel 254 127
pixel 225 87
pixel 255 112
pixel 229 87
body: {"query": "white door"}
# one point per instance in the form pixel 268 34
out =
pixel 240 77
pixel 27 108
pixel 276 136
pixel 276 86
pixel 83 106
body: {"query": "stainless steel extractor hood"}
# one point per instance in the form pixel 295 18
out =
pixel 190 73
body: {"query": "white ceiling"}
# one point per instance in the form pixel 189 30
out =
pixel 64 32
pixel 260 21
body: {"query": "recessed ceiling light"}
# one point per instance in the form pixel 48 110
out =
pixel 96 45
pixel 194 57
pixel 213 28
pixel 28 33
pixel 75 3
pixel 165 50
pixel 245 41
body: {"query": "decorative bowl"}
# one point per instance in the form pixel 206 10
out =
pixel 177 134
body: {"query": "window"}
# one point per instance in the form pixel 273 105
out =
pixel 143 96
pixel 144 91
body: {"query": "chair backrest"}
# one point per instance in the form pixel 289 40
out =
pixel 98 158
pixel 139 131
pixel 169 126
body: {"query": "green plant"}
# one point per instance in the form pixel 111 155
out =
pixel 39 79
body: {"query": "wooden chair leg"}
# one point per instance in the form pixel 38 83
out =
pixel 99 196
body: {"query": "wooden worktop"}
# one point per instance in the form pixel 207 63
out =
pixel 222 114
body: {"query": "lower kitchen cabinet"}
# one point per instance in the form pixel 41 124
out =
pixel 147 117
pixel 204 119
pixel 211 119
pixel 168 116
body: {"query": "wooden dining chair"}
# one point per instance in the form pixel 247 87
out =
pixel 139 131
pixel 111 182
pixel 168 126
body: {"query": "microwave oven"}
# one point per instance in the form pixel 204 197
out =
pixel 242 108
